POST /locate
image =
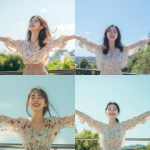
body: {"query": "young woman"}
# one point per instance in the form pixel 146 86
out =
pixel 112 135
pixel 36 132
pixel 111 56
pixel 35 50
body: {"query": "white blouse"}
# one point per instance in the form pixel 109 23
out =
pixel 112 65
pixel 112 137
pixel 35 55
pixel 30 139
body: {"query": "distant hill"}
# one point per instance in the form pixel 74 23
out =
pixel 90 59
pixel 134 146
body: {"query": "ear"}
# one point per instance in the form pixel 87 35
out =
pixel 41 27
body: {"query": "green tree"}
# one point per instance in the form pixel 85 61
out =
pixel 87 145
pixel 11 62
pixel 139 62
pixel 67 63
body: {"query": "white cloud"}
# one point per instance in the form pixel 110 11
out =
pixel 44 10
pixel 66 27
pixel 4 106
pixel 87 32
pixel 7 136
pixel 21 23
pixel 61 141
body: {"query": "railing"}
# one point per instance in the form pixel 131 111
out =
pixel 83 71
pixel 20 146
pixel 60 72
pixel 127 139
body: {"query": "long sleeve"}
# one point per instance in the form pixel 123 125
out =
pixel 134 47
pixel 14 45
pixel 91 46
pixel 94 124
pixel 55 45
pixel 131 123
pixel 8 124
pixel 67 121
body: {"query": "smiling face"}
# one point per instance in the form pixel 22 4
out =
pixel 35 24
pixel 112 111
pixel 112 34
pixel 36 102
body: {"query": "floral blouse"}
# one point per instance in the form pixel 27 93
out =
pixel 112 65
pixel 35 55
pixel 112 137
pixel 30 139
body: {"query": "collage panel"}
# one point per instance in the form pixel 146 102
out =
pixel 112 37
pixel 112 112
pixel 36 39
pixel 50 102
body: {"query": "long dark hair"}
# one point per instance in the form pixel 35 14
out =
pixel 44 33
pixel 44 95
pixel 118 43
pixel 118 108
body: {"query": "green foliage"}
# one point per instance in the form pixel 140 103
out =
pixel 139 62
pixel 67 63
pixel 87 145
pixel 13 62
pixel 9 62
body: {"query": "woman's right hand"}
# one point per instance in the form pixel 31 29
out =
pixel 77 37
pixel 3 39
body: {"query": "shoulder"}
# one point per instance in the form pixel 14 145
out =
pixel 47 40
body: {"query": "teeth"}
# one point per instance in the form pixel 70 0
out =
pixel 36 104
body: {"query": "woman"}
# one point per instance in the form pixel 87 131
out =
pixel 112 135
pixel 37 132
pixel 111 56
pixel 35 50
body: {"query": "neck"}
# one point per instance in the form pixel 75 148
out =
pixel 34 36
pixel 111 44
pixel 37 117
pixel 112 121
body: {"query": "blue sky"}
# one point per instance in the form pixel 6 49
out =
pixel 15 17
pixel 131 93
pixel 14 91
pixel 92 18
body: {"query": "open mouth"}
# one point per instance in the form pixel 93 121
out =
pixel 36 105
pixel 32 26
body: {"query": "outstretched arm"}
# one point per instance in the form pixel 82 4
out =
pixel 131 123
pixel 134 47
pixel 67 38
pixel 12 45
pixel 90 45
pixel 3 39
pixel 94 124
pixel 7 123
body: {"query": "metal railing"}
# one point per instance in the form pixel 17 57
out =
pixel 60 72
pixel 83 71
pixel 127 139
pixel 20 146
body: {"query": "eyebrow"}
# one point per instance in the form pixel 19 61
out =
pixel 111 107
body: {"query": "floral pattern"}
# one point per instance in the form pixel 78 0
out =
pixel 35 55
pixel 29 138
pixel 112 137
pixel 112 65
